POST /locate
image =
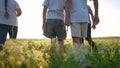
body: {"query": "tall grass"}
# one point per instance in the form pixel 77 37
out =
pixel 37 54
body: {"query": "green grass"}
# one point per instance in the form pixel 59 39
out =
pixel 36 53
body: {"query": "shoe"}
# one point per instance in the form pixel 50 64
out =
pixel 1 47
pixel 94 46
pixel 84 62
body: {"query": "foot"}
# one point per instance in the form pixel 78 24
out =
pixel 53 49
pixel 1 47
pixel 63 48
pixel 86 64
pixel 94 46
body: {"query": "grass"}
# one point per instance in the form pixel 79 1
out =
pixel 22 53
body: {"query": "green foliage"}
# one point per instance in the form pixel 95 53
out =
pixel 38 54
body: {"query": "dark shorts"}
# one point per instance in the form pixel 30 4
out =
pixel 55 28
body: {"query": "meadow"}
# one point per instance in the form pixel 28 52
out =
pixel 36 53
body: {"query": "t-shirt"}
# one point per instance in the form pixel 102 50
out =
pixel 79 11
pixel 12 5
pixel 55 9
pixel 89 11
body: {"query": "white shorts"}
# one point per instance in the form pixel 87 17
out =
pixel 79 29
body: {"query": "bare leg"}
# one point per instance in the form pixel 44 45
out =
pixel 77 40
pixel 53 43
pixel 61 43
pixel 79 48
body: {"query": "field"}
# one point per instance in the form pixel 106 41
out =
pixel 36 53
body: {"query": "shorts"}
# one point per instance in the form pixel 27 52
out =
pixel 55 28
pixel 79 29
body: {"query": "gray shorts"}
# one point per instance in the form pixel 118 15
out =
pixel 79 29
pixel 55 28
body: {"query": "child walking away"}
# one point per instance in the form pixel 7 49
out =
pixel 9 11
pixel 79 22
pixel 89 38
pixel 53 20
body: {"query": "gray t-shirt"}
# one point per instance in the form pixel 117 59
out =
pixel 12 6
pixel 89 11
pixel 79 11
pixel 55 9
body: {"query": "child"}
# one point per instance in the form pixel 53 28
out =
pixel 9 11
pixel 53 19
pixel 88 38
pixel 79 21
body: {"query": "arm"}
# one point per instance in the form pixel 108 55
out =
pixel 96 7
pixel 92 16
pixel 96 18
pixel 18 11
pixel 67 8
pixel 44 18
pixel 17 8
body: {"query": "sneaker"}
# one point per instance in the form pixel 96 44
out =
pixel 1 47
pixel 94 46
pixel 84 62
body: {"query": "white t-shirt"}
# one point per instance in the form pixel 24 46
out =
pixel 55 9
pixel 79 11
pixel 12 5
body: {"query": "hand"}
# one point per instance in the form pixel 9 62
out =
pixel 19 12
pixel 96 20
pixel 94 26
pixel 44 27
pixel 6 15
pixel 67 22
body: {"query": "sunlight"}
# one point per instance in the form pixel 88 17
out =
pixel 30 22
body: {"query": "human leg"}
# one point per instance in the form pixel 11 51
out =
pixel 60 32
pixel 57 44
pixel 78 31
pixel 62 46
pixel 50 33
pixel 77 35
pixel 13 31
pixel 89 38
pixel 61 43
pixel 53 45
pixel 56 29
pixel 83 60
pixel 3 36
